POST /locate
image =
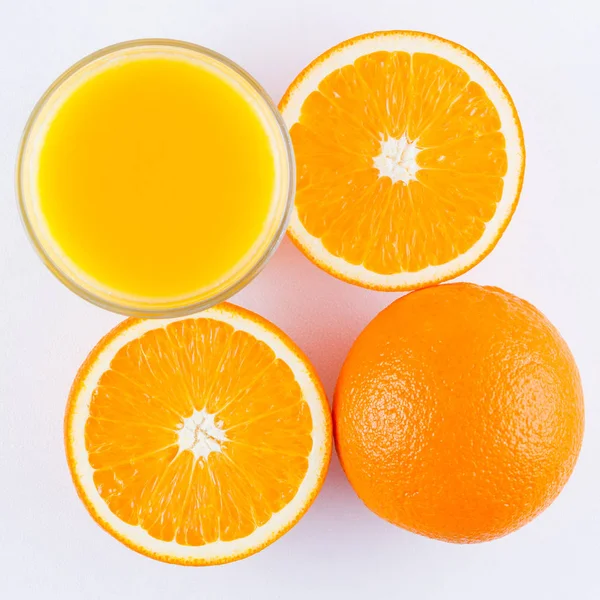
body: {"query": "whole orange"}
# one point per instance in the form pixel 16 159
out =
pixel 458 413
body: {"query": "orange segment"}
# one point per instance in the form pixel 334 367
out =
pixel 127 486
pixel 435 84
pixel 386 77
pixel 198 432
pixel 409 157
pixel 484 154
pixel 471 114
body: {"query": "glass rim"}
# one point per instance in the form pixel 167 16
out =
pixel 185 307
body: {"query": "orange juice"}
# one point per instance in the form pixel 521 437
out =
pixel 159 177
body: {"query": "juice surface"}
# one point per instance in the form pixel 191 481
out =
pixel 156 177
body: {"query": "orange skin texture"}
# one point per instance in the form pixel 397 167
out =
pixel 458 413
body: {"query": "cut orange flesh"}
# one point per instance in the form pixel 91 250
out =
pixel 409 156
pixel 199 440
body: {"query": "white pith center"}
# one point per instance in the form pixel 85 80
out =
pixel 201 434
pixel 397 160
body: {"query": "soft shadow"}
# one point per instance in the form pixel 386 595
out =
pixel 322 314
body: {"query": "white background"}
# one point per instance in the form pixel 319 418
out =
pixel 548 54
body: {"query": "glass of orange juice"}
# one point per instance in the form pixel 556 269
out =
pixel 155 178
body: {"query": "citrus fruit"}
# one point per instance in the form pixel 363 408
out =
pixel 458 413
pixel 409 157
pixel 198 440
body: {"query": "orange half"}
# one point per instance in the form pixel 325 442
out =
pixel 409 156
pixel 198 440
